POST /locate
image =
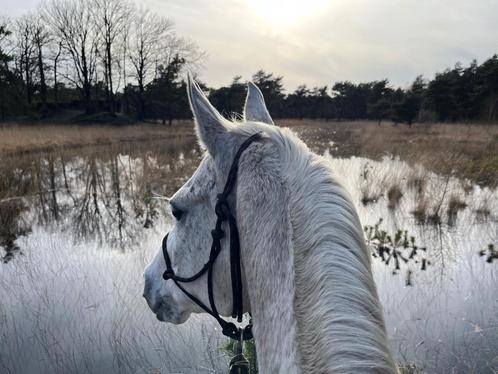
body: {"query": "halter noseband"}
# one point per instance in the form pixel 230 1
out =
pixel 223 213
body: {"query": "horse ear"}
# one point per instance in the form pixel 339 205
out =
pixel 209 123
pixel 255 108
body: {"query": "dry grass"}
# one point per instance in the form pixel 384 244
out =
pixel 18 139
pixel 455 204
pixel 409 368
pixel 394 195
pixel 469 151
pixel 98 306
pixel 420 211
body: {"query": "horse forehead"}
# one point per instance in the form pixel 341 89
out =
pixel 201 182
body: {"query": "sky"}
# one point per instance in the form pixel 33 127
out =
pixel 319 42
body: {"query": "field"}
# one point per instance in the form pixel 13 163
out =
pixel 79 220
pixel 468 150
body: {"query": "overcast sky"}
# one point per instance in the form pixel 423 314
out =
pixel 318 42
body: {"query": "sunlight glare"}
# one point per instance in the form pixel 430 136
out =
pixel 286 11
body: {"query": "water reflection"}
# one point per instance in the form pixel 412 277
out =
pixel 99 193
pixel 59 210
pixel 11 226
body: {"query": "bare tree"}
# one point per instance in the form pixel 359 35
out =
pixel 5 59
pixel 112 18
pixel 25 53
pixel 56 57
pixel 146 42
pixel 41 38
pixel 174 46
pixel 72 22
pixel 4 31
pixel 153 43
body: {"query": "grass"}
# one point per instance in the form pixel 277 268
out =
pixel 455 204
pixel 394 195
pixel 408 368
pixel 80 310
pixel 96 295
pixel 398 248
pixel 491 253
pixel 466 150
pixel 11 227
pixel 19 139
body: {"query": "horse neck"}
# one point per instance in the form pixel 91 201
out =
pixel 266 254
pixel 313 299
pixel 339 322
pixel 312 296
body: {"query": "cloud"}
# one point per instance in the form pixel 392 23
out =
pixel 354 40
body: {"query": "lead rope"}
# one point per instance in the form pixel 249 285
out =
pixel 239 363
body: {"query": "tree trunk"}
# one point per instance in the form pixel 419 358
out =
pixel 28 80
pixel 43 86
pixel 87 93
pixel 56 89
pixel 2 109
pixel 141 100
pixel 51 169
pixel 56 93
pixel 110 95
pixel 117 193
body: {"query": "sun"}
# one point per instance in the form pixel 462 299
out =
pixel 283 12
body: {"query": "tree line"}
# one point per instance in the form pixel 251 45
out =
pixel 83 54
pixel 458 94
pixel 108 56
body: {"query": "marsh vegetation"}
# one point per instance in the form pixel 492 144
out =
pixel 80 218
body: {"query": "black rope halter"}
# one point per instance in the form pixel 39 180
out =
pixel 223 213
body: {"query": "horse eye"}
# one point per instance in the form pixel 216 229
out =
pixel 177 213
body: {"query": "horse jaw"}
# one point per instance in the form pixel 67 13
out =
pixel 189 243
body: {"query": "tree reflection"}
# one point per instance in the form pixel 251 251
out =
pixel 11 227
pixel 100 194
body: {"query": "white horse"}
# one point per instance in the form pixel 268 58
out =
pixel 307 277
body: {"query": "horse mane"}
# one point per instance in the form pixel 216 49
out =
pixel 340 325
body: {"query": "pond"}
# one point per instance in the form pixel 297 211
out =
pixel 78 226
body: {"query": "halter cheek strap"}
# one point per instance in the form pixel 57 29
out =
pixel 223 213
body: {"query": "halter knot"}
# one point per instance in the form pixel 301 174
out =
pixel 223 213
pixel 221 208
pixel 230 330
pixel 217 234
pixel 168 274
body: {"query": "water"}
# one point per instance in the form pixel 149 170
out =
pixel 79 226
pixel 447 320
